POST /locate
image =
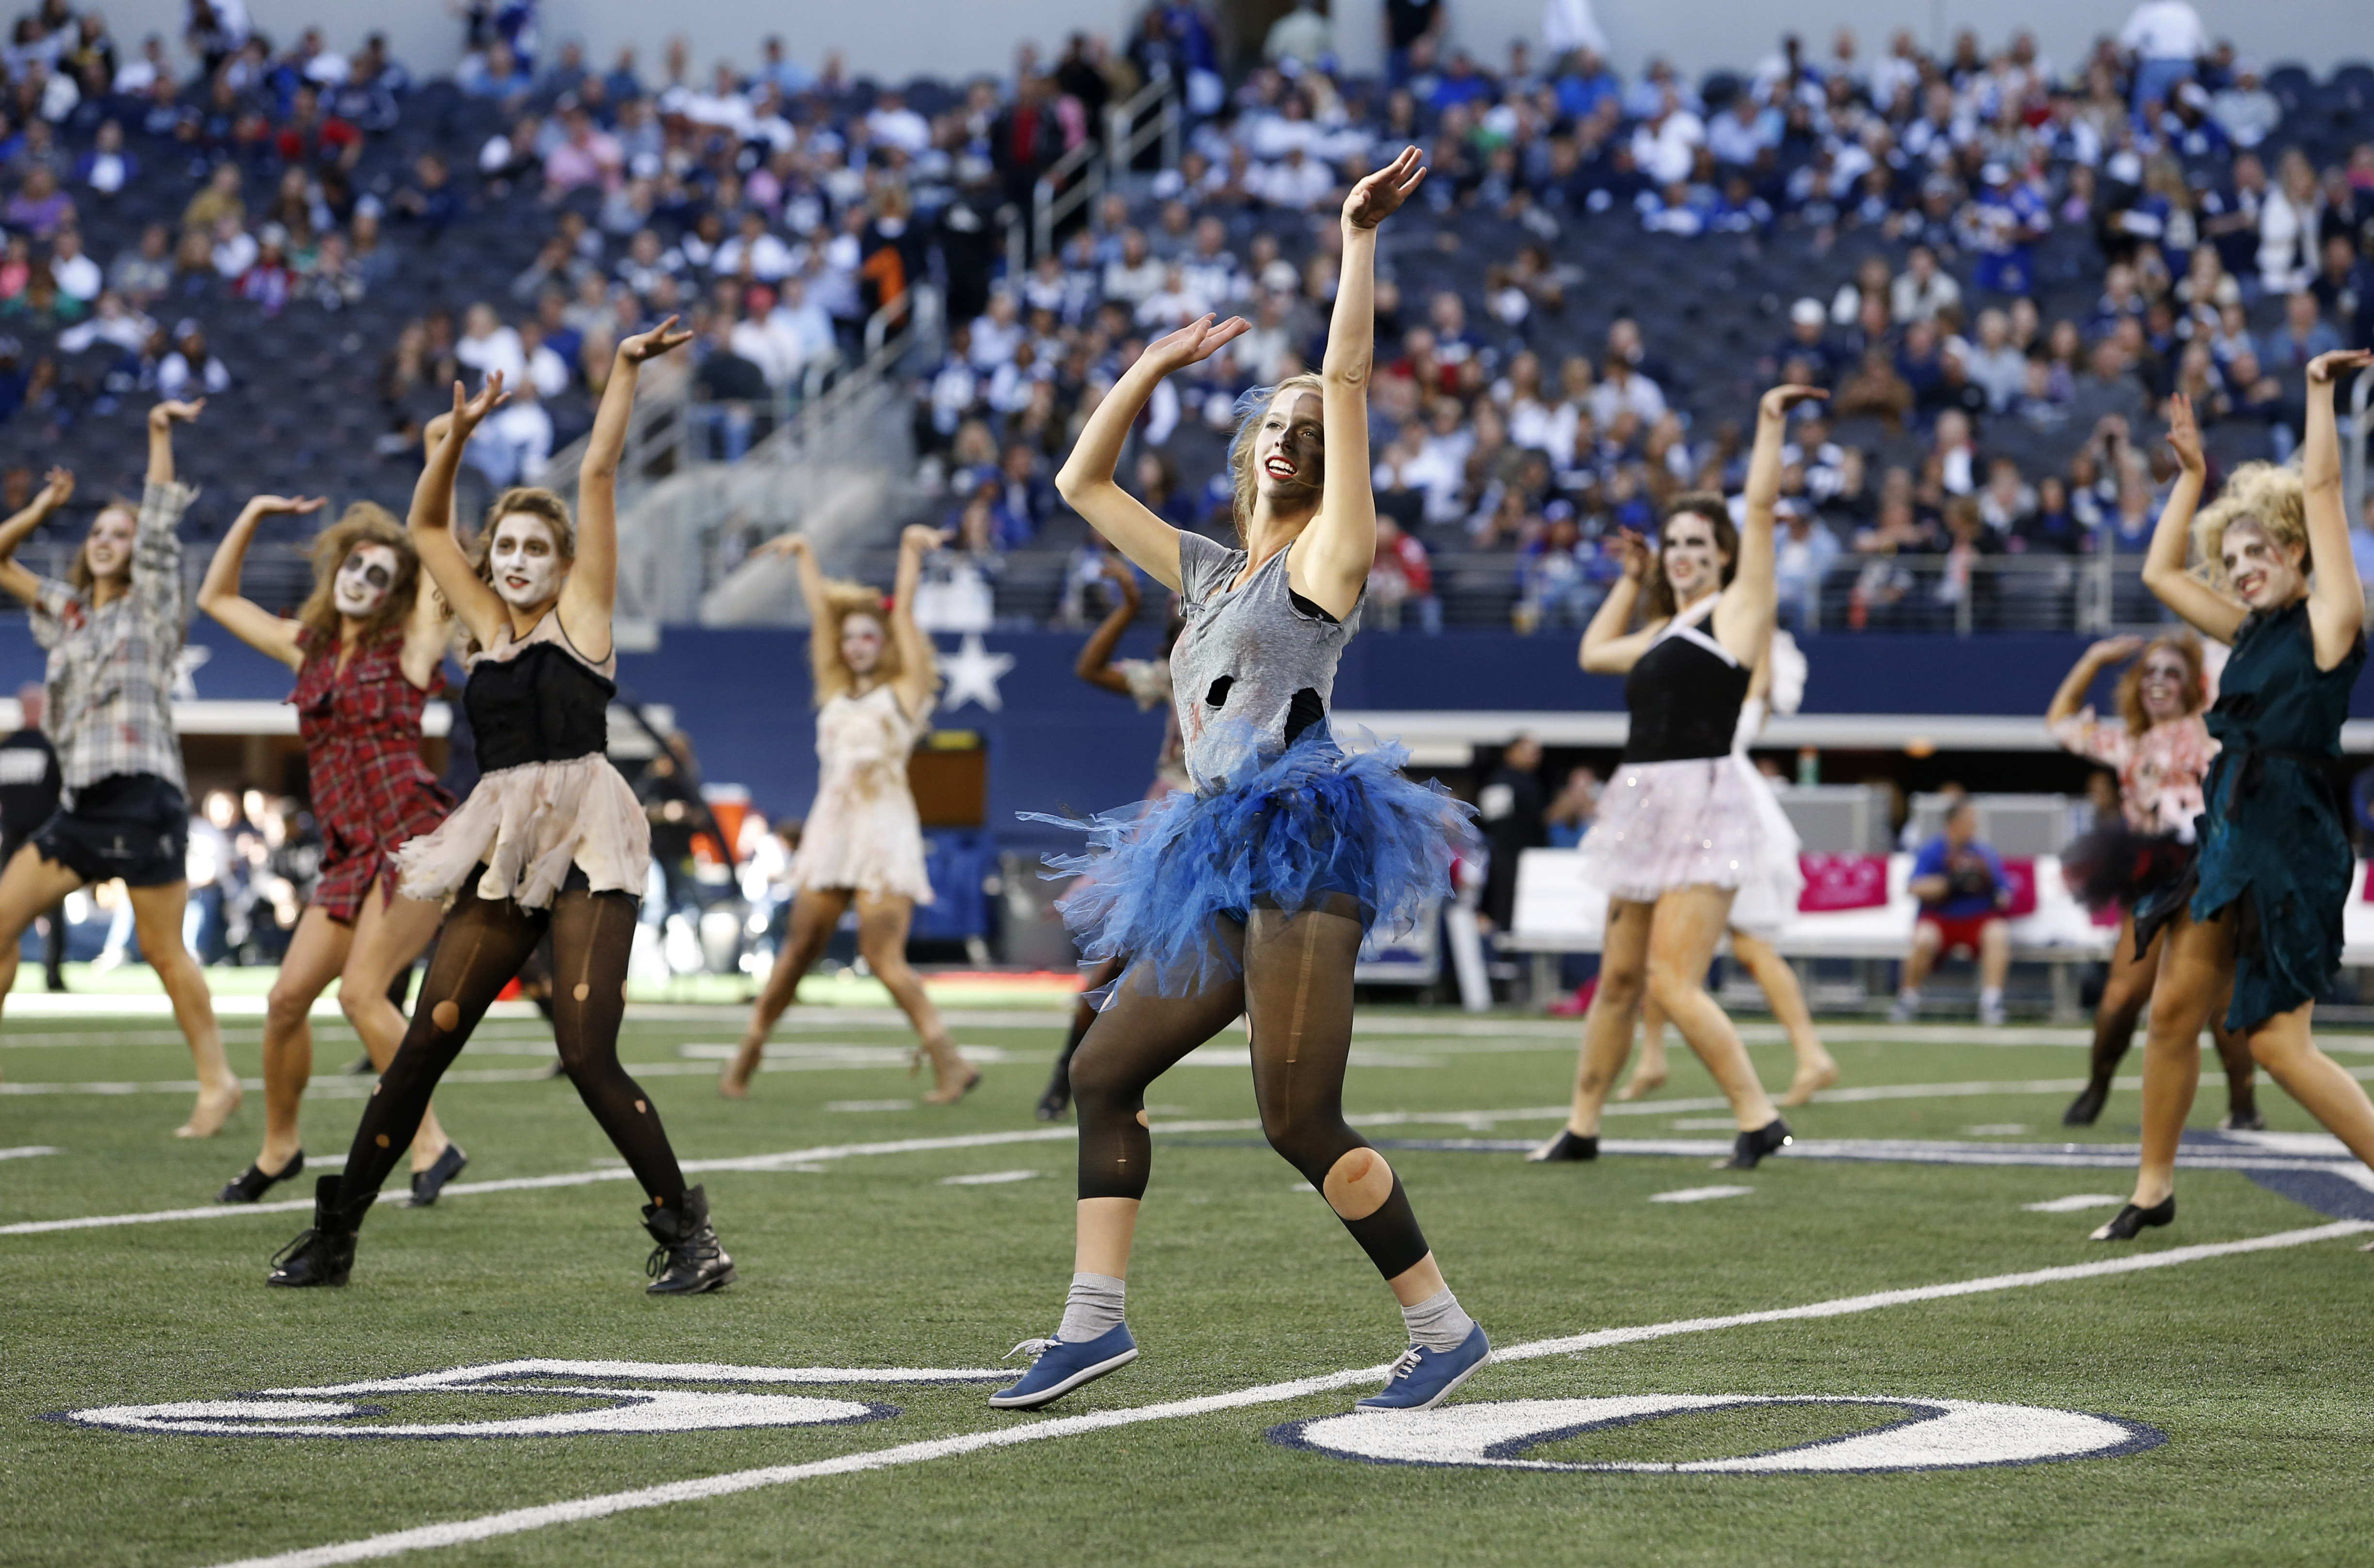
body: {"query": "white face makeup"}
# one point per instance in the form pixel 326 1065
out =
pixel 861 643
pixel 527 568
pixel 2264 576
pixel 1693 560
pixel 2163 686
pixel 364 581
pixel 108 551
pixel 1290 448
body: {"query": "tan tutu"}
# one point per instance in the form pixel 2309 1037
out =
pixel 529 824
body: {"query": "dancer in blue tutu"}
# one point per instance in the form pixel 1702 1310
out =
pixel 1250 896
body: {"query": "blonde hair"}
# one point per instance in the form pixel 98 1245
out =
pixel 365 522
pixel 1241 472
pixel 536 502
pixel 2265 495
pixel 830 673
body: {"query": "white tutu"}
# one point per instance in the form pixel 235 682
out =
pixel 530 824
pixel 1702 822
pixel 863 832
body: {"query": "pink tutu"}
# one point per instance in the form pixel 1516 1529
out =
pixel 1703 822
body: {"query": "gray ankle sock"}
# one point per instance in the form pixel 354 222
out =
pixel 1093 1308
pixel 1437 1322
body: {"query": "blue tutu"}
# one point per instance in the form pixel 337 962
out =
pixel 1310 822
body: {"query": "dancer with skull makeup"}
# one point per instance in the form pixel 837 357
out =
pixel 875 675
pixel 550 839
pixel 1250 896
pixel 114 631
pixel 368 650
pixel 2256 915
pixel 2162 752
pixel 1679 834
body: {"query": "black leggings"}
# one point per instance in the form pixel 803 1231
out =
pixel 1292 981
pixel 482 946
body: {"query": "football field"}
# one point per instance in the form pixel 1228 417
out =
pixel 1891 1344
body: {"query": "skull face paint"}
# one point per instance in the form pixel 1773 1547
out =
pixel 527 565
pixel 364 580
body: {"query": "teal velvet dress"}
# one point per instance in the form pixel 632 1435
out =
pixel 2274 856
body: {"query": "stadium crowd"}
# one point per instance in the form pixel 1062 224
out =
pixel 1998 263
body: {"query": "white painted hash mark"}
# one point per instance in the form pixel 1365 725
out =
pixel 1698 1194
pixel 2074 1202
pixel 988 1178
pixel 516 1521
pixel 28 1151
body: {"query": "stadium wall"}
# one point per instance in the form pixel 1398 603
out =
pixel 902 37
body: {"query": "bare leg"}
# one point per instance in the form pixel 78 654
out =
pixel 1994 954
pixel 315 953
pixel 2124 992
pixel 1690 921
pixel 1648 1073
pixel 388 936
pixel 156 916
pixel 815 912
pixel 1607 1029
pixel 27 886
pixel 1923 956
pixel 1816 1070
pixel 2284 1047
pixel 882 922
pixel 2196 972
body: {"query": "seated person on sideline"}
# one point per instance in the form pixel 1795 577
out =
pixel 1963 892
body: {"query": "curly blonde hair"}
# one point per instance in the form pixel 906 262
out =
pixel 2265 495
pixel 365 522
pixel 1249 410
pixel 830 673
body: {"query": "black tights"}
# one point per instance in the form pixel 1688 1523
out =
pixel 482 946
pixel 1292 980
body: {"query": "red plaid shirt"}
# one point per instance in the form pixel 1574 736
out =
pixel 372 791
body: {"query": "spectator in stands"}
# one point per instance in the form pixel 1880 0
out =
pixel 219 200
pixel 191 369
pixel 1922 289
pixel 143 274
pixel 1963 891
pixel 1402 577
pixel 487 345
pixel 1803 552
pixel 731 388
pixel 2164 39
pixel 2301 338
pixel 2289 219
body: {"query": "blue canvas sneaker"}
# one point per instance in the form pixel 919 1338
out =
pixel 1424 1379
pixel 1057 1368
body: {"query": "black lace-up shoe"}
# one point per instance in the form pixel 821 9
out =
pixel 325 1254
pixel 688 1260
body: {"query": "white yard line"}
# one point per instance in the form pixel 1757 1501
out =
pixel 518 1521
pixel 27 1152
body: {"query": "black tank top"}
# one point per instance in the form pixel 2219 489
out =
pixel 1684 693
pixel 542 705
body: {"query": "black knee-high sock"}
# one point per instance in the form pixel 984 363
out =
pixel 482 947
pixel 592 935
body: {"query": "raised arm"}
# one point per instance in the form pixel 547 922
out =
pixel 218 593
pixel 1340 545
pixel 1744 617
pixel 2067 702
pixel 2336 599
pixel 1086 480
pixel 161 420
pixel 481 609
pixel 2209 612
pixel 812 579
pixel 14 575
pixel 1608 648
pixel 426 632
pixel 587 598
pixel 917 657
pixel 1095 665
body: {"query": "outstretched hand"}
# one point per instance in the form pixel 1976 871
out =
pixel 470 412
pixel 2326 368
pixel 1776 403
pixel 2184 434
pixel 297 506
pixel 171 411
pixel 1379 195
pixel 792 543
pixel 1198 340
pixel 2115 650
pixel 58 489
pixel 921 538
pixel 652 344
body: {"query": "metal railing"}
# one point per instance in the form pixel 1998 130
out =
pixel 1080 177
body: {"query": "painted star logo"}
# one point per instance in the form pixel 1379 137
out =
pixel 972 673
pixel 186 664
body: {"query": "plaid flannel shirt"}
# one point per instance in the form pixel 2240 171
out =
pixel 110 671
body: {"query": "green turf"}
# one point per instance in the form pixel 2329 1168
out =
pixel 2254 1366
